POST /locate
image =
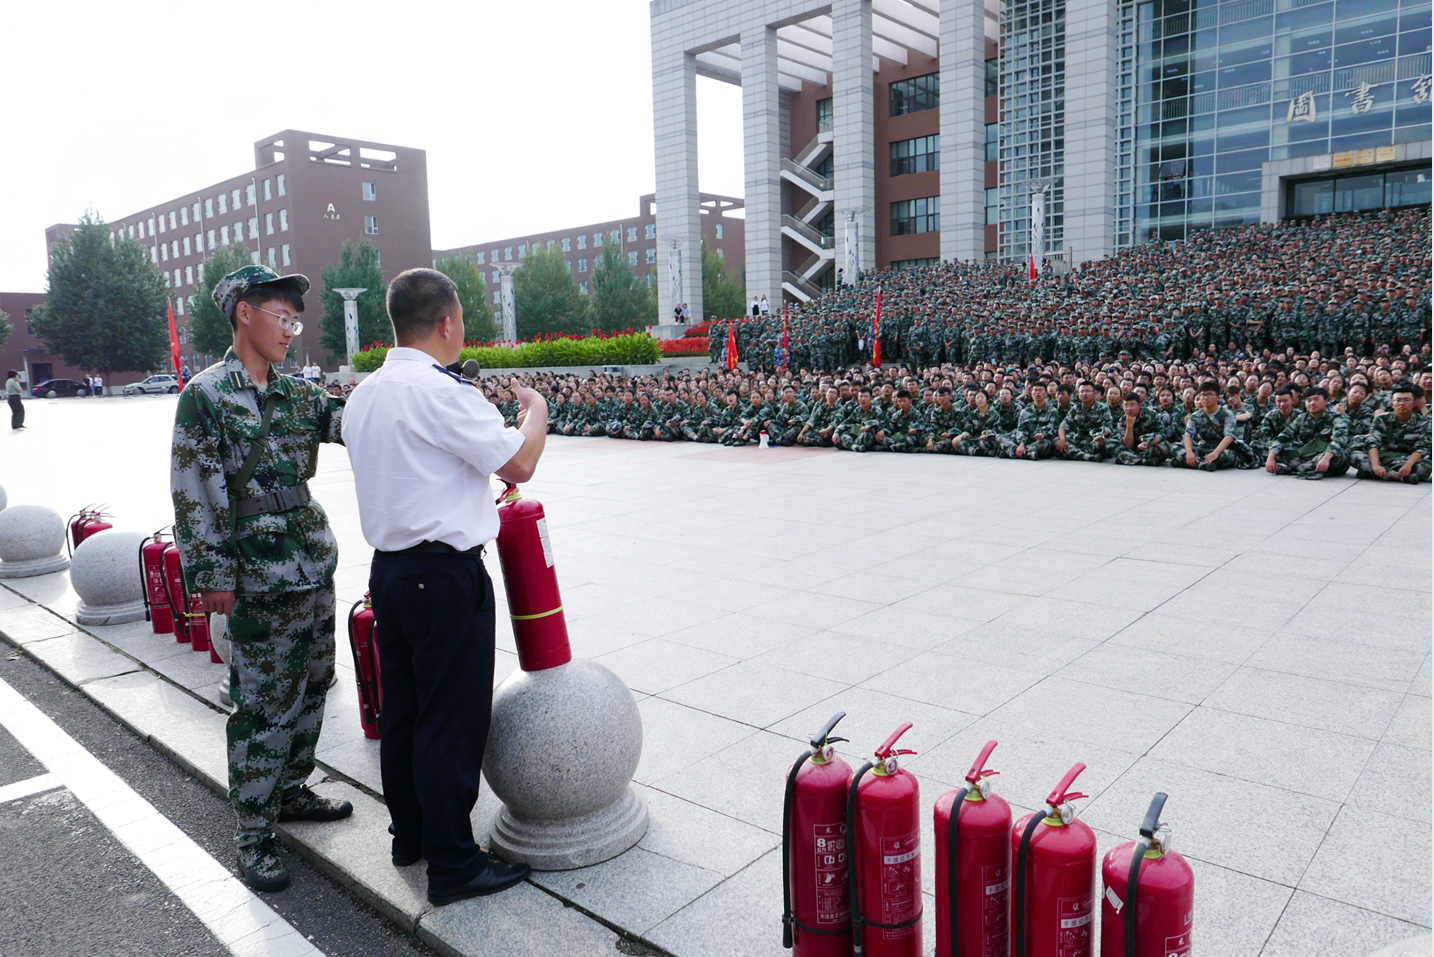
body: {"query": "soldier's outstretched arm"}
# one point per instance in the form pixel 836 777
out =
pixel 203 520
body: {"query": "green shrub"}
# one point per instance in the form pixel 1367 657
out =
pixel 632 349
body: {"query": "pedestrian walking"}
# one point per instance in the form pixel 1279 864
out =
pixel 12 395
pixel 423 442
pixel 258 548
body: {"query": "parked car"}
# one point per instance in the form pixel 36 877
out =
pixel 164 382
pixel 54 388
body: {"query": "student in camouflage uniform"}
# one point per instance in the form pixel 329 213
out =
pixel 1398 448
pixel 1140 440
pixel 904 431
pixel 822 422
pixel 980 427
pixel 943 423
pixel 1315 444
pixel 1275 421
pixel 258 548
pixel 1085 431
pixel 1211 441
pixel 861 429
pixel 787 420
pixel 1038 423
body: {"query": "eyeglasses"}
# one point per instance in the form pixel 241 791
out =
pixel 286 323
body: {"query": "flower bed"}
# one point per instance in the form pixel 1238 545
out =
pixel 597 349
pixel 686 346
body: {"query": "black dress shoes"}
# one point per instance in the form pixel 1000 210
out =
pixel 499 876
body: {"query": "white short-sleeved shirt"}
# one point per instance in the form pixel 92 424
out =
pixel 422 444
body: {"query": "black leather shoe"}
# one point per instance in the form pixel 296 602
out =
pixel 405 854
pixel 498 877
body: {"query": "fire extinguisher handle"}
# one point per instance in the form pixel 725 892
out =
pixel 1152 815
pixel 1060 795
pixel 979 769
pixel 887 748
pixel 823 737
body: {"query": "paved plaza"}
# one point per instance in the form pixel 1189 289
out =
pixel 1259 648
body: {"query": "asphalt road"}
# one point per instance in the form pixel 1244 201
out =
pixel 68 888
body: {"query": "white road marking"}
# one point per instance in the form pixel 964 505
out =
pixel 241 921
pixel 29 786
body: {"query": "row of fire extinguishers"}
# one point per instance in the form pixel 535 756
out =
pixel 851 868
pixel 168 605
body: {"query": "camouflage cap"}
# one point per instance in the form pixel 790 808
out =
pixel 228 290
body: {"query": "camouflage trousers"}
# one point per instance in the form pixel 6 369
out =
pixel 1083 448
pixel 902 442
pixel 1290 462
pixel 742 434
pixel 1392 463
pixel 1157 454
pixel 1228 459
pixel 669 432
pixel 1040 449
pixel 815 440
pixel 989 445
pixel 279 675
pixel 858 442
pixel 784 436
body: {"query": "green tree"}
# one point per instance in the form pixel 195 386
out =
pixel 619 298
pixel 722 295
pixel 105 307
pixel 5 327
pixel 209 329
pixel 357 269
pixel 546 297
pixel 478 322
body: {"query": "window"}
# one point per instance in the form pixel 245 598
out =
pixel 632 257
pixel 597 239
pixel 993 77
pixel 567 244
pixel 151 226
pixel 916 216
pixel 176 278
pixel 583 287
pixel 172 224
pixel 223 203
pixel 268 189
pixel 824 115
pixel 632 234
pixel 583 241
pixel 239 232
pixel 993 141
pixel 184 214
pixel 186 246
pixel 199 244
pixel 919 155
pixel 209 207
pixel 254 230
pixel 140 226
pixel 497 296
pixel 249 194
pixel 224 235
pixel 189 275
pixel 181 305
pixel 272 258
pixel 916 94
pixel 174 248
pixel 370 225
pixel 497 275
pixel 493 257
pixel 993 206
pixel 478 257
pixel 522 250
pixel 268 224
pixel 153 254
pixel 162 226
pixel 569 264
pixel 913 263
pixel 281 184
pixel 235 194
pixel 164 252
pixel 284 220
pixel 582 265
pixel 719 230
pixel 284 249
pixel 211 239
pixel 721 253
pixel 507 252
pixel 254 257
pixel 369 192
pixel 184 334
pixel 649 231
pixel 651 256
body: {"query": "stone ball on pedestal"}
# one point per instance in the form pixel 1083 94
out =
pixel 32 542
pixel 562 749
pixel 3 499
pixel 105 574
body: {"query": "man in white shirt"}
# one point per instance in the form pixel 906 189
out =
pixel 423 442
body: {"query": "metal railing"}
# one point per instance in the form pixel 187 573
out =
pixel 810 289
pixel 814 236
pixel 807 175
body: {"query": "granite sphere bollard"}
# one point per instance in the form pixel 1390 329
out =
pixel 3 499
pixel 32 542
pixel 105 574
pixel 566 734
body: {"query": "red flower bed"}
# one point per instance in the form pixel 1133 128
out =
pixel 699 331
pixel 686 346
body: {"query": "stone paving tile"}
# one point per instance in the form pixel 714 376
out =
pixel 1422 683
pixel 1314 926
pixel 836 657
pixel 11 599
pixel 1063 618
pixel 33 623
pixel 521 922
pixel 1389 669
pixel 675 736
pixel 1391 857
pixel 1357 710
pixel 1176 677
pixel 1353 625
pixel 1234 912
pixel 1102 716
pixel 979 604
pixel 739 635
pixel 656 617
pixel 712 782
pixel 1411 723
pixel 190 670
pixel 870 717
pixel 81 658
pixel 656 665
pixel 1034 572
pixel 1302 760
pixel 1132 584
pixel 753 693
pixel 706 926
pixel 1195 637
pixel 904 626
pixel 817 611
pixel 695 835
pixel 1396 781
pixel 1012 646
pixel 637 890
pixel 950 682
pixel 53 591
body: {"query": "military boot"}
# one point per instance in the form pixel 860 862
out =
pixel 261 868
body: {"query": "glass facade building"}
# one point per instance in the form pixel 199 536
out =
pixel 1032 79
pixel 1210 91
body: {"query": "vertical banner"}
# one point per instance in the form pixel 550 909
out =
pixel 786 348
pixel 876 332
pixel 351 328
pixel 1038 231
pixel 674 278
pixel 852 269
pixel 174 340
pixel 510 314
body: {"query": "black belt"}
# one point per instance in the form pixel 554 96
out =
pixel 435 548
pixel 280 501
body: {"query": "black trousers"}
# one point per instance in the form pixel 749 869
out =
pixel 17 412
pixel 434 614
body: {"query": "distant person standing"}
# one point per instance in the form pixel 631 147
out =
pixel 97 384
pixel 766 309
pixel 756 307
pixel 686 313
pixel 12 395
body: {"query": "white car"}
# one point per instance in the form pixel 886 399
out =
pixel 155 383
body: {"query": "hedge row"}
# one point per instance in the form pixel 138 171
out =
pixel 636 349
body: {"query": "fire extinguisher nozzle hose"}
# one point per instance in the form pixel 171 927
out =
pixel 1148 828
pixel 853 886
pixel 787 916
pixel 957 803
pixel 1035 822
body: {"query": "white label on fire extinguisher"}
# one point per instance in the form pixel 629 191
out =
pixel 829 841
pixel 547 545
pixel 1075 915
pixel 1177 946
pixel 995 908
pixel 900 883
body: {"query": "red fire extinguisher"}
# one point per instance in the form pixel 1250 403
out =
pixel 85 523
pixel 363 639
pixel 526 554
pixel 1055 878
pixel 883 823
pixel 816 921
pixel 973 867
pixel 156 595
pixel 1154 888
pixel 190 623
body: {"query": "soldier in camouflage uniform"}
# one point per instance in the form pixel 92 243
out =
pixel 1315 444
pixel 1211 441
pixel 1275 421
pixel 821 424
pixel 1085 431
pixel 943 423
pixel 859 430
pixel 1139 432
pixel 1037 427
pixel 980 427
pixel 1398 443
pixel 905 431
pixel 787 420
pixel 258 548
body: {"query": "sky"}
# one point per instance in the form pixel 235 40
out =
pixel 535 116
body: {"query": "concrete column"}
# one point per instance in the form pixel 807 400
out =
pixel 762 143
pixel 674 117
pixel 1090 121
pixel 963 130
pixel 854 127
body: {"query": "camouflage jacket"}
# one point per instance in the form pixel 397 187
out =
pixel 1083 422
pixel 1207 430
pixel 1331 428
pixel 1270 428
pixel 910 421
pixel 1389 435
pixel 1361 421
pixel 942 422
pixel 1147 428
pixel 215 424
pixel 823 416
pixel 974 424
pixel 1044 422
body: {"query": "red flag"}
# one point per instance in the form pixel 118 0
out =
pixel 732 346
pixel 876 332
pixel 1033 265
pixel 173 339
pixel 786 355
